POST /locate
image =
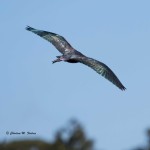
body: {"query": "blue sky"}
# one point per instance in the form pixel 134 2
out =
pixel 40 97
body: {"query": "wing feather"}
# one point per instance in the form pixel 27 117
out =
pixel 102 69
pixel 58 41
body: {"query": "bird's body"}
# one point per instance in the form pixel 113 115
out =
pixel 71 55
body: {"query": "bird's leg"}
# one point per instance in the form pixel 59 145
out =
pixel 59 58
pixel 56 60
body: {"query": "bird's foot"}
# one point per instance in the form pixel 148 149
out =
pixel 54 61
pixel 59 58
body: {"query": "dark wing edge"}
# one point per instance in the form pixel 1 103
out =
pixel 102 69
pixel 58 41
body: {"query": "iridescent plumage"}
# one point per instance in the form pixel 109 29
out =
pixel 73 56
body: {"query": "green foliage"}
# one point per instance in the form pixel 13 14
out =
pixel 70 138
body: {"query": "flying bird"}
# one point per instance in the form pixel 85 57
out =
pixel 70 55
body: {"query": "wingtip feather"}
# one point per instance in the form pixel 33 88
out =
pixel 123 88
pixel 29 28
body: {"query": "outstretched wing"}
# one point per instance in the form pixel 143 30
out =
pixel 58 41
pixel 102 69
